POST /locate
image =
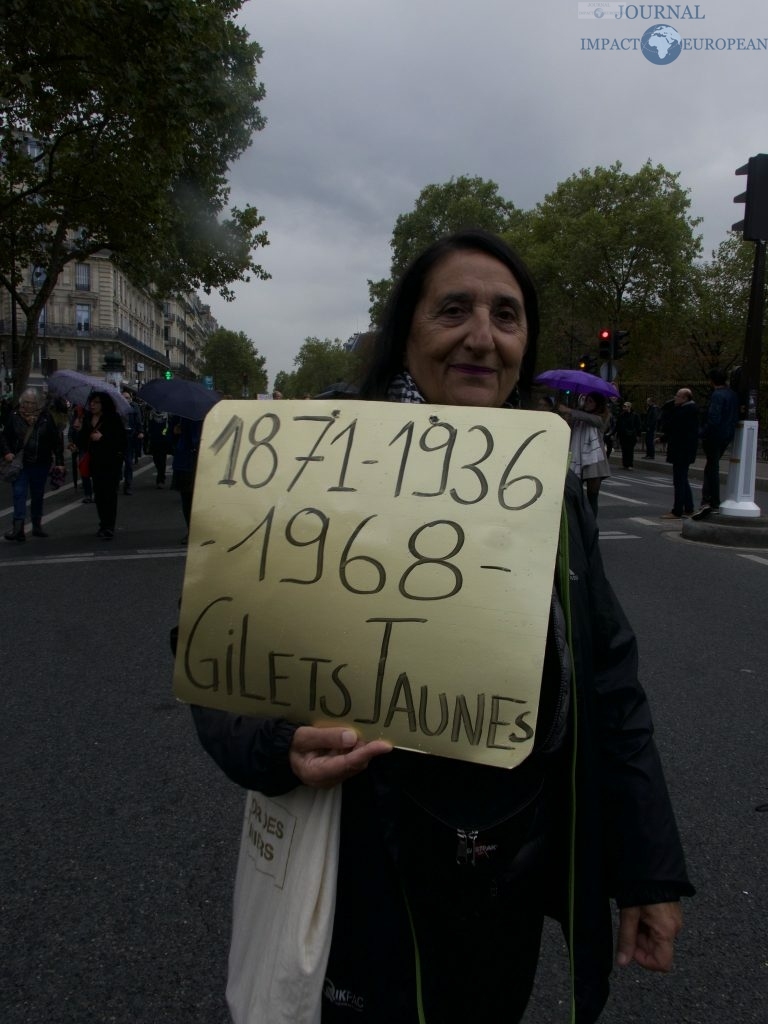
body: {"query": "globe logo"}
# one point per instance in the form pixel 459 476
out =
pixel 661 44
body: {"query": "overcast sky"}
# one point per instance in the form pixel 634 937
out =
pixel 369 101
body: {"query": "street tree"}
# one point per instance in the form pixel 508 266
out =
pixel 611 248
pixel 715 317
pixel 319 364
pixel 461 202
pixel 234 363
pixel 118 123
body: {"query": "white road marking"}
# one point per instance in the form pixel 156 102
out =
pixel 755 558
pixel 92 558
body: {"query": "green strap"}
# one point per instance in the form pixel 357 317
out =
pixel 419 1000
pixel 563 567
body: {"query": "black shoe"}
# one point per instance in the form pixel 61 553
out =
pixel 106 534
pixel 703 512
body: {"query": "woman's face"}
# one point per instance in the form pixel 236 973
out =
pixel 468 335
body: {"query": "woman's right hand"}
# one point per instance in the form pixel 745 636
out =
pixel 325 757
pixel 8 456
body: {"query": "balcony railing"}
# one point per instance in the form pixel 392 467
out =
pixel 95 334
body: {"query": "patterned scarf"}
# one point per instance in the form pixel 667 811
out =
pixel 403 388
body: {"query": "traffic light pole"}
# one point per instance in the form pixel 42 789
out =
pixel 753 343
pixel 740 489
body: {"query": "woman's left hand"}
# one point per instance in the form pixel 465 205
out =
pixel 647 934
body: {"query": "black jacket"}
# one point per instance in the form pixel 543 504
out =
pixel 45 446
pixel 626 841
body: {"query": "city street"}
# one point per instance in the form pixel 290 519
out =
pixel 119 837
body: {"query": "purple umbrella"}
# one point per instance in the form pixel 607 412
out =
pixel 578 381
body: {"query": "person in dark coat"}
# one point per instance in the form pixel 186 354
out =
pixel 420 921
pixel 103 437
pixel 185 436
pixel 159 444
pixel 33 428
pixel 680 429
pixel 650 426
pixel 717 433
pixel 628 429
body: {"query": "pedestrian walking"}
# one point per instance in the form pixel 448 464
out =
pixel 650 426
pixel 159 444
pixel 134 434
pixel 33 429
pixel 186 446
pixel 104 440
pixel 628 429
pixel 589 460
pixel 720 421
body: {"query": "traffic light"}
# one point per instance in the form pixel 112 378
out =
pixel 620 346
pixel 606 348
pixel 168 374
pixel 582 362
pixel 755 223
pixel 587 363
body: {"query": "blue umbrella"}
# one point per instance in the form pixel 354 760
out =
pixel 577 381
pixel 179 397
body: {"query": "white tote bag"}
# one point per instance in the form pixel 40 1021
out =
pixel 285 894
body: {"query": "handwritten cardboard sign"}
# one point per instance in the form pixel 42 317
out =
pixel 379 565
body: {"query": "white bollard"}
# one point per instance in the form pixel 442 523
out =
pixel 740 488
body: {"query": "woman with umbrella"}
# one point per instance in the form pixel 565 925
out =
pixel 588 457
pixel 103 438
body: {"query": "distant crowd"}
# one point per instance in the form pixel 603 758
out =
pixel 45 439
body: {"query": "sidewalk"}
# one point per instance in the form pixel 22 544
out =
pixel 696 472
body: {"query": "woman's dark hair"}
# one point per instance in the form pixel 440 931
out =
pixel 107 402
pixel 388 354
pixel 599 400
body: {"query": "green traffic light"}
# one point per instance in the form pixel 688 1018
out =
pixel 168 374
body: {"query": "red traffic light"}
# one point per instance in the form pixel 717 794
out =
pixel 604 335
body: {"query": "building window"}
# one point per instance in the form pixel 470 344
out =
pixel 84 358
pixel 83 318
pixel 83 277
pixel 38 357
pixel 41 322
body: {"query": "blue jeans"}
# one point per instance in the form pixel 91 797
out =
pixel 32 479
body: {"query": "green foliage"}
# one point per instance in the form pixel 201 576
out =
pixel 462 202
pixel 136 110
pixel 717 307
pixel 611 248
pixel 231 359
pixel 319 364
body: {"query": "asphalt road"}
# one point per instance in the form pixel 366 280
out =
pixel 118 837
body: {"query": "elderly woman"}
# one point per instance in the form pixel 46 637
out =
pixel 420 931
pixel 34 429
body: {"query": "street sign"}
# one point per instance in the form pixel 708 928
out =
pixel 614 373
